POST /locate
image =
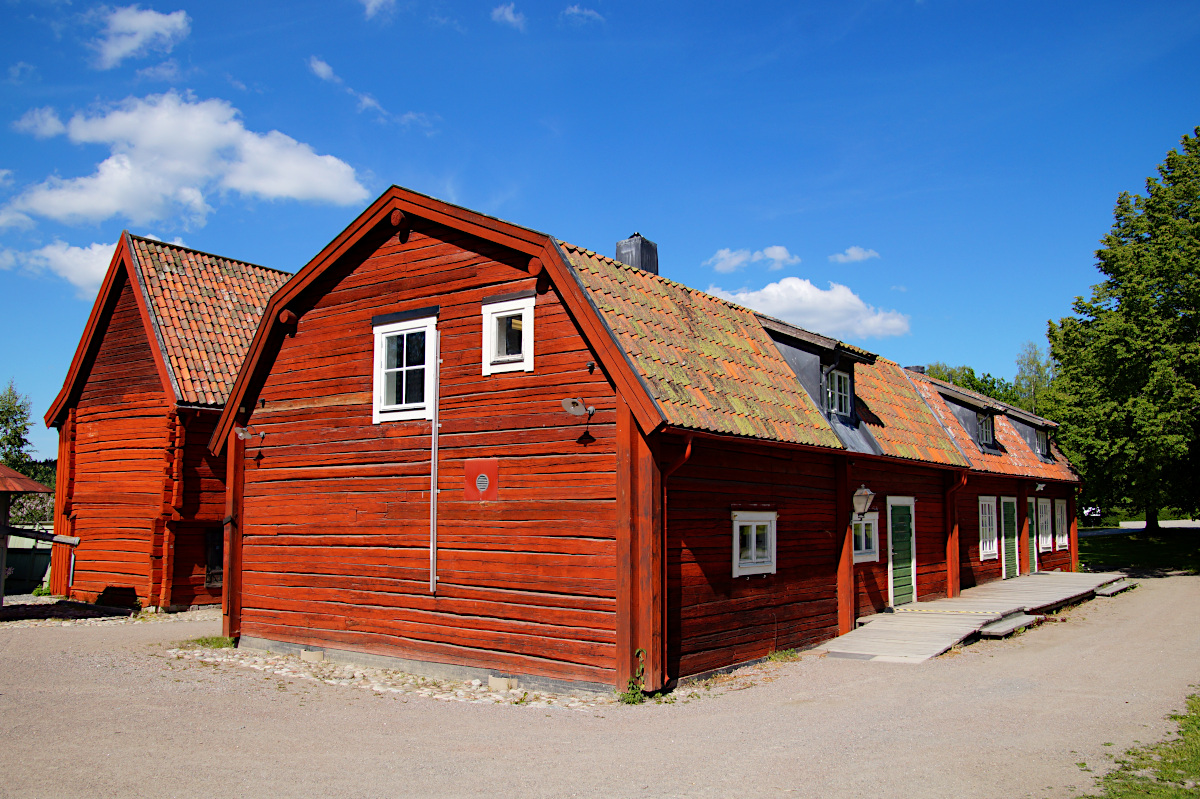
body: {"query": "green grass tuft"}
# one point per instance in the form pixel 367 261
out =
pixel 208 642
pixel 1163 770
pixel 783 656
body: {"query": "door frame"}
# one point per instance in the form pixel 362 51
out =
pixel 911 502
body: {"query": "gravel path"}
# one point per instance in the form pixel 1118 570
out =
pixel 111 710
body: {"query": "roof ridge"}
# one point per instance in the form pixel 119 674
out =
pixel 175 246
pixel 984 397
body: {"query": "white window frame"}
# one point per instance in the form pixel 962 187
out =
pixel 859 527
pixel 989 540
pixel 1045 531
pixel 1062 535
pixel 741 517
pixel 836 398
pixel 987 429
pixel 493 364
pixel 1043 442
pixel 399 413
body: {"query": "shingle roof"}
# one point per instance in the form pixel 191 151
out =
pixel 14 482
pixel 205 309
pixel 900 421
pixel 1016 458
pixel 708 363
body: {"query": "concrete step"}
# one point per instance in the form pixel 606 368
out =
pixel 1112 589
pixel 1002 628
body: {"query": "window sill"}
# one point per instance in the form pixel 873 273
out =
pixel 866 557
pixel 753 569
pixel 990 557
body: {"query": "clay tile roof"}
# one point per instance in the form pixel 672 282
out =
pixel 13 481
pixel 205 309
pixel 1016 458
pixel 708 363
pixel 901 422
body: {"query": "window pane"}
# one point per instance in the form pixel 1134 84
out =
pixel 391 388
pixel 508 336
pixel 416 350
pixel 858 537
pixel 745 542
pixel 414 386
pixel 761 552
pixel 393 351
pixel 868 536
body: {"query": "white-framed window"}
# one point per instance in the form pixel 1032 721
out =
pixel 753 542
pixel 1045 530
pixel 508 336
pixel 866 537
pixel 989 548
pixel 987 429
pixel 1043 442
pixel 1062 535
pixel 405 366
pixel 838 391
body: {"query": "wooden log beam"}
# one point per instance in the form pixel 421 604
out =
pixel 38 535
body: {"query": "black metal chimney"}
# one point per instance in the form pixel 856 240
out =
pixel 639 252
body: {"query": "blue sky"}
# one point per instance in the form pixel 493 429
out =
pixel 926 179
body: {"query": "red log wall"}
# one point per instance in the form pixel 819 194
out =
pixel 335 514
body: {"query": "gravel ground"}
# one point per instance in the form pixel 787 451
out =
pixel 118 709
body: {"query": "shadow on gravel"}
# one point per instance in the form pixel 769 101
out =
pixel 1170 551
pixel 63 609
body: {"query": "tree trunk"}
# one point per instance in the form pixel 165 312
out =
pixel 1152 517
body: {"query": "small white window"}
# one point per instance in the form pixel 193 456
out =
pixel 1043 443
pixel 404 370
pixel 839 393
pixel 508 336
pixel 753 542
pixel 1062 535
pixel 1045 531
pixel 987 431
pixel 988 547
pixel 866 537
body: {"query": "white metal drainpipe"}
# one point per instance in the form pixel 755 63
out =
pixel 433 461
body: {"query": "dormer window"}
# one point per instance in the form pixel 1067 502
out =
pixel 838 389
pixel 1043 443
pixel 987 431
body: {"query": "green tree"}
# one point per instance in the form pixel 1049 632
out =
pixel 995 387
pixel 1035 374
pixel 1129 359
pixel 14 428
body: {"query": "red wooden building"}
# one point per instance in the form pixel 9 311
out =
pixel 136 482
pixel 460 443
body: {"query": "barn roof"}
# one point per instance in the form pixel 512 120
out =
pixel 13 482
pixel 708 363
pixel 200 309
pixel 899 420
pixel 1015 457
pixel 204 310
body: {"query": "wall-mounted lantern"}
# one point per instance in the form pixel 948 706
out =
pixel 862 500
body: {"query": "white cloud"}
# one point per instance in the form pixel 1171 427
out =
pixel 507 14
pixel 169 154
pixel 83 267
pixel 836 311
pixel 40 122
pixel 5 177
pixel 373 7
pixel 130 32
pixel 578 15
pixel 167 71
pixel 726 260
pixel 20 72
pixel 322 70
pixel 853 254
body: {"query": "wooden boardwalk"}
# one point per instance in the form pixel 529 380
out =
pixel 923 630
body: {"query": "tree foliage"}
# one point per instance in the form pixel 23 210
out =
pixel 1129 359
pixel 995 387
pixel 15 421
pixel 1035 375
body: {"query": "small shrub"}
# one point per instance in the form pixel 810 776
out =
pixel 633 693
pixel 42 590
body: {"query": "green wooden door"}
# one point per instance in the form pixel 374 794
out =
pixel 1008 528
pixel 900 531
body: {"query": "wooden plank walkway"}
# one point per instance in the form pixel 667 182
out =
pixel 922 630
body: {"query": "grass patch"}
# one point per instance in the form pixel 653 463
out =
pixel 783 656
pixel 208 642
pixel 1171 549
pixel 1163 770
